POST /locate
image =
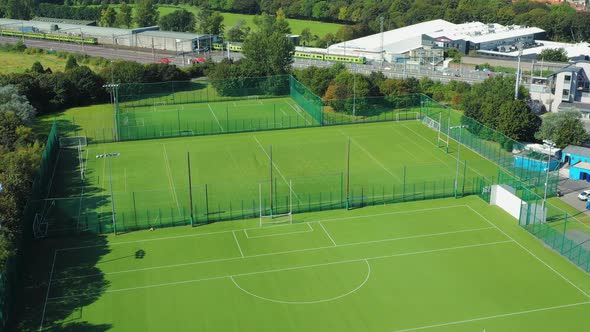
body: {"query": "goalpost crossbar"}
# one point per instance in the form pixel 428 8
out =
pixel 273 216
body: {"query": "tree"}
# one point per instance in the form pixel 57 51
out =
pixel 37 68
pixel 179 20
pixel 517 121
pixel 553 54
pixel 210 22
pixel 484 100
pixel 267 55
pixel 238 32
pixel 146 13
pixel 124 17
pixel 563 128
pixel 17 9
pixel 11 101
pixel 71 63
pixel 108 17
pixel 306 36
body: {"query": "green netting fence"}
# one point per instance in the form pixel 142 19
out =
pixel 308 101
pixel 10 277
pixel 487 142
pixel 230 201
pixel 556 228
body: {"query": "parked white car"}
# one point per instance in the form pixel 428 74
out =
pixel 584 195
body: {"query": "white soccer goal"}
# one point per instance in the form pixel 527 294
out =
pixel 39 226
pixel 436 125
pixel 276 218
pixel 72 142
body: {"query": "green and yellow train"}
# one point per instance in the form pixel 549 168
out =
pixel 301 54
pixel 49 36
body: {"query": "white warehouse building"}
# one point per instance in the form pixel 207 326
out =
pixel 428 40
pixel 148 37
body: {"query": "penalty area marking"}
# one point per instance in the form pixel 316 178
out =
pixel 308 230
pixel 308 302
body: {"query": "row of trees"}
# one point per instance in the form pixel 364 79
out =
pixel 561 22
pixel 20 154
pixel 490 102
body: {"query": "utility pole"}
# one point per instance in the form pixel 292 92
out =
pixel 517 84
pixel 382 50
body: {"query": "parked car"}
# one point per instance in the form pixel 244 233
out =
pixel 584 195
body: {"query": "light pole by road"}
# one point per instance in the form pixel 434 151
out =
pixel 458 155
pixel 354 90
pixel 517 84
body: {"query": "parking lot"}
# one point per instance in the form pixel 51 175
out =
pixel 570 190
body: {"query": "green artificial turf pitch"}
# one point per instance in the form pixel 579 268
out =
pixel 440 265
pixel 165 120
pixel 394 161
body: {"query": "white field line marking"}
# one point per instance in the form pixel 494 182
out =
pixel 216 119
pixel 170 179
pixel 48 288
pixel 229 231
pixel 328 234
pixel 281 253
pixel 238 243
pixel 298 112
pixel 309 230
pixel 290 268
pixel 494 316
pixel 371 156
pixel 453 156
pixel 277 168
pixel 85 164
pixel 420 147
pixel 281 109
pixel 310 302
pixel 530 252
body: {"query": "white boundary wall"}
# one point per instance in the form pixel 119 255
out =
pixel 504 197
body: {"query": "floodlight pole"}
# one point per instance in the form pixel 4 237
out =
pixel 354 91
pixel 458 155
pixel 547 175
pixel 112 196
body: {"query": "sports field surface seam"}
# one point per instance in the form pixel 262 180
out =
pixel 283 252
pixel 291 268
pixel 254 228
pixel 530 252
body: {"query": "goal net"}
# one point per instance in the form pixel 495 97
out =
pixel 436 125
pixel 40 226
pixel 271 217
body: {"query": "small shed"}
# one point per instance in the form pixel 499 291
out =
pixel 577 158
